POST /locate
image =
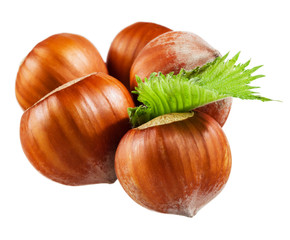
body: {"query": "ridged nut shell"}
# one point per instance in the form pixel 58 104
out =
pixel 177 167
pixel 71 135
pixel 127 45
pixel 56 60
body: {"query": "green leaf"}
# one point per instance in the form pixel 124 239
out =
pixel 187 90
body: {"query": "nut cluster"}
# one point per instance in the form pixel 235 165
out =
pixel 75 129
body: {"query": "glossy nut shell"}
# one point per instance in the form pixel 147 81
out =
pixel 127 45
pixel 177 167
pixel 53 62
pixel 71 135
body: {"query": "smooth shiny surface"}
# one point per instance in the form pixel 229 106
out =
pixel 71 135
pixel 53 62
pixel 172 51
pixel 127 45
pixel 174 168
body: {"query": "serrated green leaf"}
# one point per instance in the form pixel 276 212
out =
pixel 187 90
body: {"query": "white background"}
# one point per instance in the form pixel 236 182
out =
pixel 255 201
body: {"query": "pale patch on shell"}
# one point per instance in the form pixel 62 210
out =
pixel 65 85
pixel 166 119
pixel 191 54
